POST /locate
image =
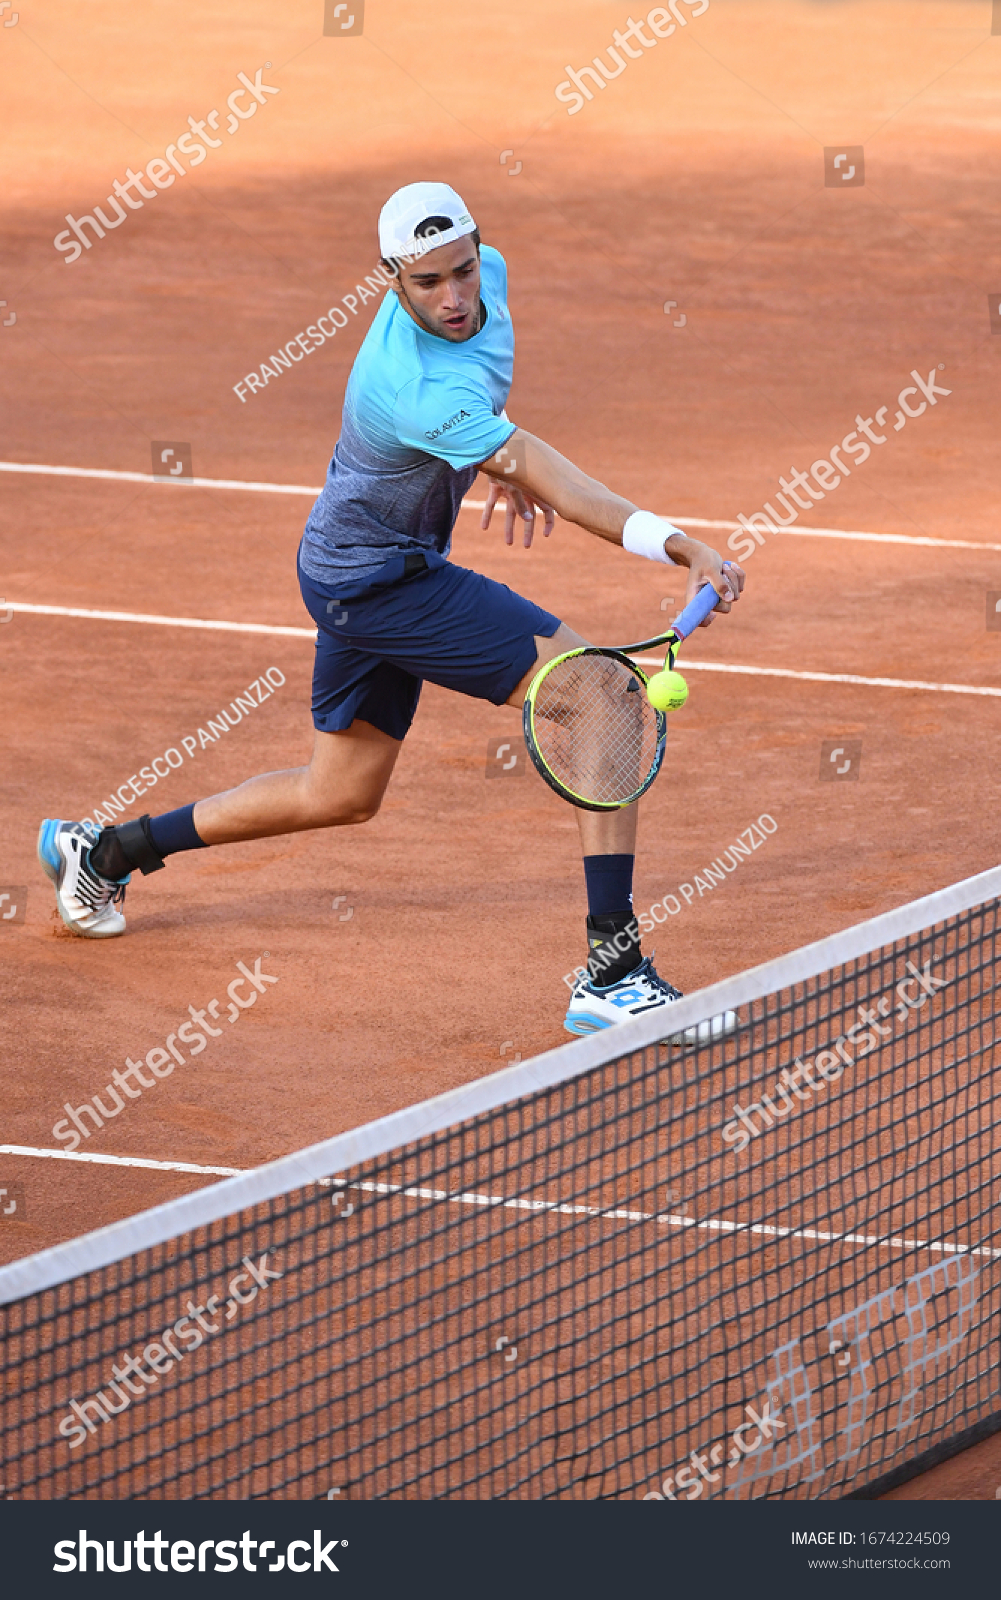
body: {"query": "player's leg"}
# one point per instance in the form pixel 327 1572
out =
pixel 617 982
pixel 608 848
pixel 362 708
pixel 343 784
pixel 458 629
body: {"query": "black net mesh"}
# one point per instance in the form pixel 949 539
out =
pixel 620 1286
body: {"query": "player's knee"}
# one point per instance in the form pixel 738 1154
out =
pixel 344 812
pixel 362 813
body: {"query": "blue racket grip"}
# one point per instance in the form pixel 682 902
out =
pixel 705 602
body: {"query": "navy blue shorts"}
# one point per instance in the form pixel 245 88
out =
pixel 445 624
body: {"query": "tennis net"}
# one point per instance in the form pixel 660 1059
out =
pixel 757 1267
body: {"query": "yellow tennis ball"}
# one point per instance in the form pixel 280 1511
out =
pixel 667 691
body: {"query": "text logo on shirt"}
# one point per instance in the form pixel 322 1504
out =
pixel 446 425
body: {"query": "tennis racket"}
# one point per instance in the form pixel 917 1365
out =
pixel 591 732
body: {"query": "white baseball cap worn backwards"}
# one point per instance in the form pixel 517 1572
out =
pixel 413 204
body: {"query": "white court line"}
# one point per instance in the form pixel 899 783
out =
pixel 670 1219
pixel 815 533
pixel 115 1161
pixel 649 661
pixel 147 477
pixel 709 1225
pixel 825 677
pixel 312 490
pixel 162 622
pixel 843 533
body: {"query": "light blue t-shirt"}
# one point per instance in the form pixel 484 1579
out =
pixel 420 414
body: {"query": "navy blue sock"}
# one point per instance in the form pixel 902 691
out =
pixel 175 831
pixel 613 938
pixel 609 885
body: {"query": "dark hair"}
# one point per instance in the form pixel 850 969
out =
pixel 432 225
pixel 429 225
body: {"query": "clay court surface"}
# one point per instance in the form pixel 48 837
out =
pixel 428 948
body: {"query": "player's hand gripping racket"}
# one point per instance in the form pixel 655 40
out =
pixel 590 728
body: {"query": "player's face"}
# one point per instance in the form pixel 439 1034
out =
pixel 442 290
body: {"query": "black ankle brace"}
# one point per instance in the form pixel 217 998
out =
pixel 126 848
pixel 613 948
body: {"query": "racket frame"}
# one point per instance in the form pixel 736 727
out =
pixel 539 761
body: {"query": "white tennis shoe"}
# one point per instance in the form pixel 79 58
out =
pixel 644 990
pixel 88 903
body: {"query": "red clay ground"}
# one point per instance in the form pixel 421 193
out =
pixel 699 179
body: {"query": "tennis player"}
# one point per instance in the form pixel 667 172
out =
pixel 423 412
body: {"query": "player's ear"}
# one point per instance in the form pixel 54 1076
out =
pixel 392 269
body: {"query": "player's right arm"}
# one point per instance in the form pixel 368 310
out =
pixel 540 472
pixel 528 468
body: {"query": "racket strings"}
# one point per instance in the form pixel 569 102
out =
pixel 595 728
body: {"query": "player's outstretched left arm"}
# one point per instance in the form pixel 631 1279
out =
pixel 534 476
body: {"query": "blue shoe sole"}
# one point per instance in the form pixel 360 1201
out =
pixel 582 1022
pixel 48 855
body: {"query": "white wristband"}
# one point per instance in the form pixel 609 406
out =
pixel 644 535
